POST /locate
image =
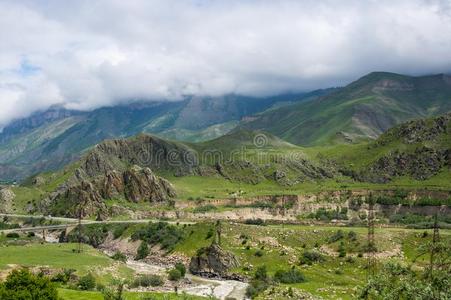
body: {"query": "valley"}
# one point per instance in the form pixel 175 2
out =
pixel 235 212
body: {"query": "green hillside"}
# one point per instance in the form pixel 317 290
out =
pixel 362 110
pixel 50 139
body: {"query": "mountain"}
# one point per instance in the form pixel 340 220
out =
pixel 50 139
pixel 146 169
pixel 131 170
pixel 416 150
pixel 362 110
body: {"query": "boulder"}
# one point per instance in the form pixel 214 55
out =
pixel 213 261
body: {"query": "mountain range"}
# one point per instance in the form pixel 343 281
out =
pixel 358 112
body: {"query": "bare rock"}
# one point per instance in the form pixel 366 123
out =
pixel 6 199
pixel 213 261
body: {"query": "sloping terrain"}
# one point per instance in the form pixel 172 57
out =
pixel 418 149
pixel 362 110
pixel 50 139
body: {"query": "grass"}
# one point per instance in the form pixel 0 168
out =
pixel 62 256
pixel 334 278
pixel 66 294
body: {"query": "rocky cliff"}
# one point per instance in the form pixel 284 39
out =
pixel 213 261
pixel 418 149
pixel 111 171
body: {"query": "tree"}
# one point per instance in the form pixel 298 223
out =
pixel 115 292
pixel 87 282
pixel 143 251
pixel 23 285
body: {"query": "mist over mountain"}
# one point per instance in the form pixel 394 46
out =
pixel 49 139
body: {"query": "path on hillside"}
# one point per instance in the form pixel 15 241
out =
pixel 71 222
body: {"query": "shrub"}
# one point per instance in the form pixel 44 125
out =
pixel 210 233
pixel 261 273
pixel 309 257
pixel 13 235
pixel 174 275
pixel 337 236
pixel 327 215
pixel 352 236
pixel 257 221
pixel 259 253
pixel 119 256
pixel 291 276
pixel 341 250
pixel 148 280
pixel 256 287
pixel 119 230
pixel 181 267
pixel 63 277
pixel 162 233
pixel 143 251
pixel 87 282
pixel 22 284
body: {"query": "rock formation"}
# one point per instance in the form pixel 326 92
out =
pixel 212 261
pixel 6 199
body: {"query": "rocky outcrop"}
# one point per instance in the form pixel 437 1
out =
pixel 422 164
pixel 419 149
pixel 213 261
pixel 85 195
pixel 6 199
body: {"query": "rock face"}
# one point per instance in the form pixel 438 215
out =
pixel 6 199
pixel 212 261
pixel 421 149
pixel 111 171
pixel 85 195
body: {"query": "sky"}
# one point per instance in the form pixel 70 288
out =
pixel 86 54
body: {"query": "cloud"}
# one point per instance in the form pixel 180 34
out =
pixel 86 54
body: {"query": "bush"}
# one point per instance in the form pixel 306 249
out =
pixel 327 215
pixel 119 230
pixel 259 282
pixel 143 251
pixel 13 235
pixel 160 233
pixel 259 253
pixel 257 221
pixel 174 275
pixel 210 233
pixel 291 276
pixel 261 273
pixel 148 280
pixel 119 256
pixel 87 282
pixel 93 234
pixel 309 257
pixel 63 277
pixel 341 250
pixel 21 284
pixel 181 267
pixel 352 236
pixel 337 236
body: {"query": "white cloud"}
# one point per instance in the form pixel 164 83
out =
pixel 85 54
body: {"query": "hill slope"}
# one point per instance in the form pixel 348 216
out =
pixel 362 110
pixel 50 139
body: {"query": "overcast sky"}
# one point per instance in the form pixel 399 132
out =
pixel 86 54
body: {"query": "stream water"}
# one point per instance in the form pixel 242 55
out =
pixel 200 286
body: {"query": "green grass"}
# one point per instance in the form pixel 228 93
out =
pixel 66 294
pixel 333 278
pixel 62 256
